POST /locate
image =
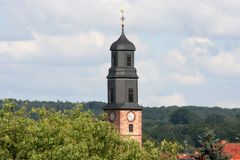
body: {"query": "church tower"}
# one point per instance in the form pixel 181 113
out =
pixel 122 85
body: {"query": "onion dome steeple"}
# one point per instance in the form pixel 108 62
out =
pixel 122 44
pixel 122 108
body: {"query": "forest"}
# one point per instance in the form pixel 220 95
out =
pixel 172 123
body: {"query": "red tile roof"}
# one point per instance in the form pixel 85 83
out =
pixel 232 149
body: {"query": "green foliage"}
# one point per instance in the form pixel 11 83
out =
pixel 211 147
pixel 166 150
pixel 237 116
pixel 186 123
pixel 157 123
pixel 152 152
pixel 214 118
pixel 169 149
pixel 69 135
pixel 181 116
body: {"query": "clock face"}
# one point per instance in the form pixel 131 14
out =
pixel 112 116
pixel 130 116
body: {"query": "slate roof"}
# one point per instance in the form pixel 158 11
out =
pixel 122 44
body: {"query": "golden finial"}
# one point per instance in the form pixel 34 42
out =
pixel 122 18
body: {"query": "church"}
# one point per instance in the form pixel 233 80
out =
pixel 122 108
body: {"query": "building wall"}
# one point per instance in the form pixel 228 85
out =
pixel 122 124
pixel 121 87
pixel 121 58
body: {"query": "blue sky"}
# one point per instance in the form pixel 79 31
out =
pixel 187 51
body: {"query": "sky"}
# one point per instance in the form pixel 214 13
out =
pixel 188 51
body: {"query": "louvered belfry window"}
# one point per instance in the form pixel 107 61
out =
pixel 114 59
pixel 130 95
pixel 111 94
pixel 129 60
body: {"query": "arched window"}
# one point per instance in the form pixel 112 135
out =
pixel 130 127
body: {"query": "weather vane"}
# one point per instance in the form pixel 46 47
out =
pixel 122 18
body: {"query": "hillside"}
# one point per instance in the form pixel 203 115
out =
pixel 183 124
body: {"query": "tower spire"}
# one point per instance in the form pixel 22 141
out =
pixel 122 108
pixel 122 19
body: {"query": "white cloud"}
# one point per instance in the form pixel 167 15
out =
pixel 223 63
pixel 208 18
pixel 149 71
pixel 175 60
pixel 60 48
pixel 56 49
pixel 18 49
pixel 180 70
pixel 60 17
pixel 195 17
pixel 167 100
pixel 197 46
pixel 186 79
pixel 54 67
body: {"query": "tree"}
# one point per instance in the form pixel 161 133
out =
pixel 181 116
pixel 68 135
pixel 214 118
pixel 211 147
pixel 166 150
pixel 169 150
